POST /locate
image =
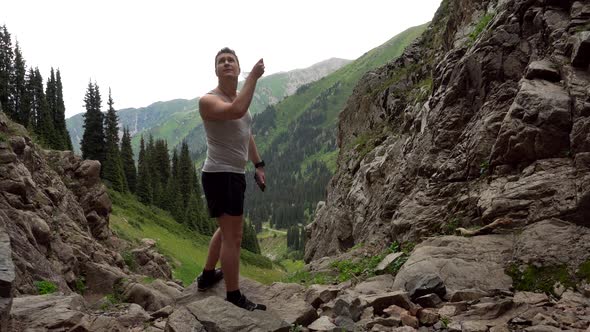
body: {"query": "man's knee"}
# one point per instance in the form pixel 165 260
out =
pixel 236 240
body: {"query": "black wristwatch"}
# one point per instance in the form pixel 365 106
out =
pixel 259 164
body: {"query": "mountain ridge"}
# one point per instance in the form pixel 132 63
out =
pixel 157 114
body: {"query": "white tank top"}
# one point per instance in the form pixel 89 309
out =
pixel 227 143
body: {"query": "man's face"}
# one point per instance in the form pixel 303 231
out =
pixel 227 65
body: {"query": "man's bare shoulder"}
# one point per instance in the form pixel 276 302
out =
pixel 209 98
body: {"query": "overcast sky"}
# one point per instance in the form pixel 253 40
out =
pixel 148 51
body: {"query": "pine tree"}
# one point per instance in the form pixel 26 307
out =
pixel 162 160
pixel 161 166
pixel 200 205
pixel 144 187
pixel 6 72
pixel 174 169
pixel 127 160
pixel 60 115
pixel 185 173
pixel 93 139
pixel 249 240
pixel 19 88
pixel 296 238
pixel 43 123
pixel 51 98
pixel 258 225
pixel 172 198
pixel 302 239
pixel 27 115
pixel 194 216
pixel 113 168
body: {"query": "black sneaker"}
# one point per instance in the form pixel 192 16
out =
pixel 244 303
pixel 204 283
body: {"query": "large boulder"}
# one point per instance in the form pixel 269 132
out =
pixel 150 262
pixel 182 320
pixel 48 311
pixel 151 297
pixel 463 263
pixel 217 314
pixel 548 237
pixel 287 301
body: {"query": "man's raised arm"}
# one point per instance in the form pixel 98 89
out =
pixel 212 107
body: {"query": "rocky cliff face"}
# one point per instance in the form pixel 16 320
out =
pixel 485 117
pixel 55 210
pixel 54 215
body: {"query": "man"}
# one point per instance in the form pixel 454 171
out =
pixel 230 144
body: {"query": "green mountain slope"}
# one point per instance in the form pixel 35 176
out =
pixel 187 250
pixel 297 138
pixel 137 119
pixel 176 119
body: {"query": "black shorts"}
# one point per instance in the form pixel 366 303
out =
pixel 224 192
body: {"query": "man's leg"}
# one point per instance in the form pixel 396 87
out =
pixel 231 234
pixel 209 277
pixel 214 250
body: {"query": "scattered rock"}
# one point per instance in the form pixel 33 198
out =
pixel 452 309
pixel 542 328
pixel 499 328
pixel 163 313
pixel 429 301
pixel 134 316
pixel 394 311
pixel 345 323
pixel 387 261
pixel 45 311
pixel 147 297
pixel 581 49
pixel 467 295
pixel 474 326
pixel 323 323
pixel 530 298
pixel 382 301
pixel 541 319
pixel 543 69
pixel 375 285
pixel 426 284
pixel 428 317
pixel 558 289
pixel 319 294
pixel 182 320
pixel 409 320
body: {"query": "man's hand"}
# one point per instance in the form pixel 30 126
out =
pixel 260 178
pixel 258 69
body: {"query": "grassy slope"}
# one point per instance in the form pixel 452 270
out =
pixel 133 221
pixel 173 130
pixel 314 106
pixel 292 107
pixel 273 243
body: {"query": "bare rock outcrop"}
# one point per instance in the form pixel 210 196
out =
pixel 485 116
pixel 285 301
pixel 6 279
pixel 150 262
pixel 55 211
pixel 54 231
